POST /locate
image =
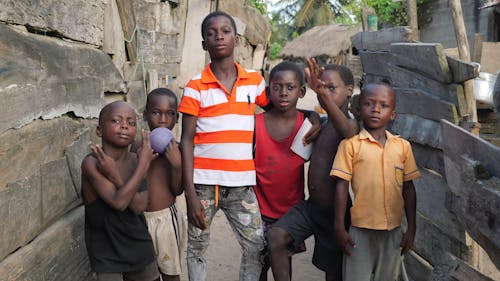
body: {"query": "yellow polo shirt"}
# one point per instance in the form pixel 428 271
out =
pixel 376 174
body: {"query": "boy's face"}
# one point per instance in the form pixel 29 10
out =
pixel 161 112
pixel 219 38
pixel 376 107
pixel 285 90
pixel 336 87
pixel 119 126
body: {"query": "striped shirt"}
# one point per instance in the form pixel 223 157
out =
pixel 224 127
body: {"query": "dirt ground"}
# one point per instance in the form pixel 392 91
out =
pixel 223 255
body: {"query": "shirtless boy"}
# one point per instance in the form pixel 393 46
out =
pixel 165 221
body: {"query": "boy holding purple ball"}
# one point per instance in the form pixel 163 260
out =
pixel 165 221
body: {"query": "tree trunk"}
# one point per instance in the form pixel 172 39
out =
pixel 464 54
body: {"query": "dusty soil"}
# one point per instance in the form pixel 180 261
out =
pixel 223 255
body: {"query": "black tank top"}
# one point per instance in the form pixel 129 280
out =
pixel 117 241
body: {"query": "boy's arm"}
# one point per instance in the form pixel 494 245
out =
pixel 173 155
pixel 107 166
pixel 117 198
pixel 345 126
pixel 139 202
pixel 343 238
pixel 410 198
pixel 195 212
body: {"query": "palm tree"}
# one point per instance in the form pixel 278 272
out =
pixel 308 13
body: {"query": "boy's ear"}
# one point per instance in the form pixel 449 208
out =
pixel 203 45
pixel 267 91
pixel 177 117
pixel 393 115
pixel 236 40
pixel 98 131
pixel 303 91
pixel 351 90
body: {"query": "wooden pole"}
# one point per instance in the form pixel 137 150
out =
pixel 464 54
pixel 411 10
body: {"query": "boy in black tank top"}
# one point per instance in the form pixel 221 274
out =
pixel 116 235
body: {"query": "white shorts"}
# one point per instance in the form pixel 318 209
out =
pixel 168 231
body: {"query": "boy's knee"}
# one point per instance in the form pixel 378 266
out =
pixel 277 238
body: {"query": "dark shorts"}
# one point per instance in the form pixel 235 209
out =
pixel 306 219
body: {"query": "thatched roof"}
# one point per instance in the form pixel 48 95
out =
pixel 327 40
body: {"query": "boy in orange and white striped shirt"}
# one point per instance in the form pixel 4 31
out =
pixel 217 135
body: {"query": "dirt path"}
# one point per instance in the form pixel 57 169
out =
pixel 223 255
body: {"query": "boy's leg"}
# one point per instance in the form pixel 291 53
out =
pixel 148 273
pixel 327 254
pixel 198 239
pixel 389 259
pixel 109 276
pixel 285 236
pixel 242 211
pixel 168 232
pixel 359 265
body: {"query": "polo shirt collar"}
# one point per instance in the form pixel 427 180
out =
pixel 364 134
pixel 207 76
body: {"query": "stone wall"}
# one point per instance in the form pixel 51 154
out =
pixel 457 233
pixel 60 62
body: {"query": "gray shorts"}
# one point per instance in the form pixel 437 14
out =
pixel 377 255
pixel 148 273
pixel 306 219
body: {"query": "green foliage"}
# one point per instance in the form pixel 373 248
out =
pixel 392 13
pixel 275 50
pixel 259 5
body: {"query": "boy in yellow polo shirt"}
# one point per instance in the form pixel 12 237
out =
pixel 380 167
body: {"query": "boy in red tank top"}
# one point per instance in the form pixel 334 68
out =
pixel 280 172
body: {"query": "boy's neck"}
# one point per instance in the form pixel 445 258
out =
pixel 223 67
pixel 117 153
pixel 289 114
pixel 378 134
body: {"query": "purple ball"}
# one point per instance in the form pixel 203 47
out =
pixel 160 138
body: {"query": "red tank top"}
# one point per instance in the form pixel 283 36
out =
pixel 280 172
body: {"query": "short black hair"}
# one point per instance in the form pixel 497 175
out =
pixel 288 66
pixel 213 15
pixel 108 108
pixel 370 86
pixel 344 72
pixel 161 92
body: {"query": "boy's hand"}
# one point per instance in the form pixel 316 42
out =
pixel 106 165
pixel 196 215
pixel 407 241
pixel 344 240
pixel 173 154
pixel 314 131
pixel 145 152
pixel 313 74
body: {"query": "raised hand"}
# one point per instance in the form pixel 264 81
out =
pixel 145 152
pixel 313 74
pixel 173 154
pixel 106 165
